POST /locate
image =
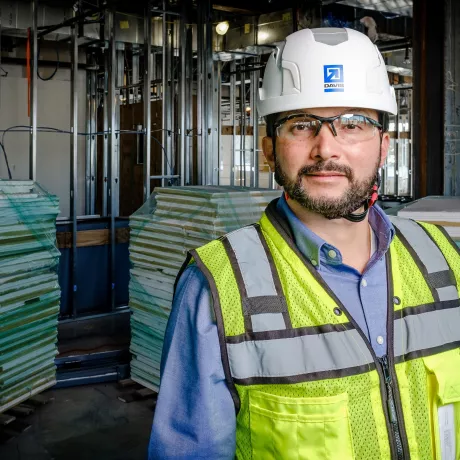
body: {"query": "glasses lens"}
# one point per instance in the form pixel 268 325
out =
pixel 299 128
pixel 353 128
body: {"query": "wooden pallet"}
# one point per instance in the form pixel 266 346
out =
pixel 14 421
pixel 133 391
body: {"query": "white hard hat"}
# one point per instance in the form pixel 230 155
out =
pixel 326 67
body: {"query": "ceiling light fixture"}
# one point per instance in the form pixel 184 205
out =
pixel 222 27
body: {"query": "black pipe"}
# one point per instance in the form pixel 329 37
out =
pixel 50 29
pixel 41 63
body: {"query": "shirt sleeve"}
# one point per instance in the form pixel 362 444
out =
pixel 195 415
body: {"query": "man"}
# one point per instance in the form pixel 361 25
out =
pixel 325 331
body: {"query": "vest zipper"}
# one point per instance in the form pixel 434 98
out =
pixel 392 408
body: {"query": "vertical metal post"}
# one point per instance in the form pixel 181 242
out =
pixel 211 111
pixel 451 114
pixel 91 138
pixel 255 124
pixel 135 74
pixel 217 111
pixel 119 81
pixel 33 95
pixel 271 182
pixel 188 109
pixel 93 159
pixel 113 179
pixel 410 159
pixel 182 97
pixel 243 124
pixel 172 147
pixel 199 96
pixel 74 161
pixel 146 99
pixel 168 96
pixel 397 148
pixel 164 93
pixel 233 118
pixel 105 152
pixel 88 138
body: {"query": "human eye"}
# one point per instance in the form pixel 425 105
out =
pixel 352 124
pixel 302 127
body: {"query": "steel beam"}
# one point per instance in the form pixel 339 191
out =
pixel 146 99
pixel 428 70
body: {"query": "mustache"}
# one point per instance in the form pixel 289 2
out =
pixel 326 167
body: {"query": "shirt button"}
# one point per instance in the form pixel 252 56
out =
pixel 332 254
pixel 314 263
pixel 396 300
pixel 380 340
pixel 363 283
pixel 337 311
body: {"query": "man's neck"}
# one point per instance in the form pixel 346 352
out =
pixel 352 239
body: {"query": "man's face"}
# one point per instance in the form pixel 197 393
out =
pixel 324 175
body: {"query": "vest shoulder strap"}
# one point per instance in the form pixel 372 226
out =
pixel 264 305
pixel 428 257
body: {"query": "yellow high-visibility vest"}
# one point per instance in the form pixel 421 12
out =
pixel 304 378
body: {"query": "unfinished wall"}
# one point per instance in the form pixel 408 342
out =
pixel 53 150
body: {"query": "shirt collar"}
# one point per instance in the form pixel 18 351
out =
pixel 318 251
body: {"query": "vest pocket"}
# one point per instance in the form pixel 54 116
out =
pixel 444 393
pixel 300 428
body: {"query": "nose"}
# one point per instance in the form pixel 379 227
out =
pixel 325 146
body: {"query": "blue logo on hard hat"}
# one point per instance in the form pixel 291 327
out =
pixel 333 79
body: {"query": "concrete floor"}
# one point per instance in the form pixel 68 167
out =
pixel 86 422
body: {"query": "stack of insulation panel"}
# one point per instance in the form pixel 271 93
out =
pixel 173 221
pixel 29 290
pixel 440 210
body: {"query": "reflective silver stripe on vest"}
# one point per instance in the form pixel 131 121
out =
pixel 440 276
pixel 262 303
pixel 426 330
pixel 253 262
pixel 298 355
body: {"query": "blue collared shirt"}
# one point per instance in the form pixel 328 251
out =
pixel 195 416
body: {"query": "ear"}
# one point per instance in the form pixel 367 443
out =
pixel 384 148
pixel 267 147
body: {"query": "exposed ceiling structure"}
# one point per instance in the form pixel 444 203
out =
pixel 397 7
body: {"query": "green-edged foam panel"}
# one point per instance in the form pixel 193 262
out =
pixel 173 221
pixel 29 290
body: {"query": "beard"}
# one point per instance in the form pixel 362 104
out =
pixel 357 192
